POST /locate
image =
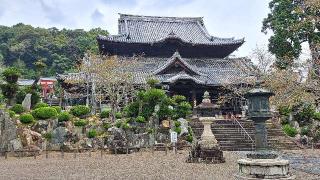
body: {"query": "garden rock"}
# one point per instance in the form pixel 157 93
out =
pixel 8 130
pixel 304 140
pixel 59 135
pixel 26 103
pixel 15 145
pixel 183 126
pixel 41 126
pixel 295 124
pixel 298 138
pixel 30 138
pixel 117 139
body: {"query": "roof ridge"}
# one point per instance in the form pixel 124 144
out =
pixel 160 18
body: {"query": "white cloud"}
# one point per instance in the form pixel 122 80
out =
pixel 227 18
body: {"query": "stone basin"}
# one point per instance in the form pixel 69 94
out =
pixel 275 168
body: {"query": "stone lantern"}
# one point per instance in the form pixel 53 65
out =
pixel 262 164
pixel 207 149
pixel 259 112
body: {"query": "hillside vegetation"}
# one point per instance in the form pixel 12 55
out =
pixel 22 45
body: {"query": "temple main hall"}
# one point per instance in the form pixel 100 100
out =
pixel 181 54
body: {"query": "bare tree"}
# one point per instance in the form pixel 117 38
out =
pixel 105 77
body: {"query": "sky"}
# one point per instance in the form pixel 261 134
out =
pixel 222 18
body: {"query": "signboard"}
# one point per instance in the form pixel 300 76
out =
pixel 174 137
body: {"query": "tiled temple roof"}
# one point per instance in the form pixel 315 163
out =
pixel 154 29
pixel 208 71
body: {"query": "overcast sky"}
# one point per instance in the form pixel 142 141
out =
pixel 223 18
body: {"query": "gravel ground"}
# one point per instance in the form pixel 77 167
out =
pixel 134 166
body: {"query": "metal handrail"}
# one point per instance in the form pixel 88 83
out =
pixel 243 129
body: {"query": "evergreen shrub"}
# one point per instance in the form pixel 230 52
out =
pixel 17 108
pixel 289 130
pixel 64 116
pixel 80 122
pixel 80 110
pixel 44 113
pixel 26 118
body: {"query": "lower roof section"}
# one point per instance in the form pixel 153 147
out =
pixel 202 71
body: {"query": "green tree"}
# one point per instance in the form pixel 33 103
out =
pixel 293 22
pixel 60 50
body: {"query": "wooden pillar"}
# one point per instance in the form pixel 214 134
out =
pixel 194 98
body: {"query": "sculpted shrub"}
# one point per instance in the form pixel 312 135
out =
pixel 290 131
pixel 45 113
pixel 64 116
pixel 80 110
pixel 40 105
pixel 26 118
pixel 17 108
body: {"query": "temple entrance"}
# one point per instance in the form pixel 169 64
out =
pixel 194 92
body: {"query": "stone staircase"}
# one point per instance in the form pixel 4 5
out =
pixel 277 139
pixel 231 138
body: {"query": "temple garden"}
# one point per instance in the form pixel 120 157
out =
pixel 162 99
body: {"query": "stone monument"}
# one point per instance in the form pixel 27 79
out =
pixel 26 103
pixel 207 149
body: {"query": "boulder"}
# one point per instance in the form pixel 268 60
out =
pixel 59 135
pixel 26 103
pixel 41 126
pixel 117 139
pixel 295 124
pixel 8 130
pixel 15 145
pixel 30 138
pixel 183 126
pixel 304 140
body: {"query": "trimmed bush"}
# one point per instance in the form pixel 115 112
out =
pixel 17 108
pixel 316 116
pixel 177 123
pixel 290 131
pixel 45 113
pixel 26 118
pixel 58 108
pixel 80 110
pixel 118 123
pixel 140 119
pixel 126 126
pixel 64 116
pixel 305 114
pixel 107 126
pixel 92 133
pixel 40 105
pixel 80 123
pixel 11 113
pixel 105 114
pixel 189 138
pixel 178 130
pixel 118 115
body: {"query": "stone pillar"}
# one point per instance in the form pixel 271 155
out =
pixel 261 135
pixel 207 140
